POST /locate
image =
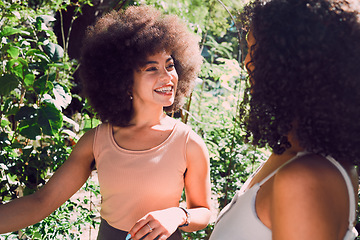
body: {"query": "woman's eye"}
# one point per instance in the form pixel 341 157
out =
pixel 171 66
pixel 151 69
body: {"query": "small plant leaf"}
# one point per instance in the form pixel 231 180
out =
pixel 8 82
pixel 50 119
pixel 13 51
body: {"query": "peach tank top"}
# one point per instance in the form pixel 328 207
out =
pixel 133 183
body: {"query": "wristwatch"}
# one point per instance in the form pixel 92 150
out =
pixel 188 218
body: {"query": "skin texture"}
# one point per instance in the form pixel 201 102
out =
pixel 291 110
pixel 154 86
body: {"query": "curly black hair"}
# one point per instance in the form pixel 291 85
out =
pixel 119 43
pixel 306 73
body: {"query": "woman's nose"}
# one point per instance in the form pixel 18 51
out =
pixel 165 75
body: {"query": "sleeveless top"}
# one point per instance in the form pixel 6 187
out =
pixel 134 183
pixel 239 220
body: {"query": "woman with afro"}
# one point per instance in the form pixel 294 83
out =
pixel 136 65
pixel 303 63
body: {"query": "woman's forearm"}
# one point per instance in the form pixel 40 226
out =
pixel 199 219
pixel 22 212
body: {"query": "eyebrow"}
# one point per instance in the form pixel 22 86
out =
pixel 151 62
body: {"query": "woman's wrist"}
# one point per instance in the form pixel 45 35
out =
pixel 187 217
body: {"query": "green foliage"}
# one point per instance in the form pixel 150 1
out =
pixel 203 17
pixel 35 136
pixel 32 78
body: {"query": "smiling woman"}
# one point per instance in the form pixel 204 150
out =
pixel 155 82
pixel 136 64
pixel 126 41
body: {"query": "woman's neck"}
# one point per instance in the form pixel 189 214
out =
pixel 148 117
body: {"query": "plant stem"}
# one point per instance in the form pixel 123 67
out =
pixel 62 28
pixel 238 31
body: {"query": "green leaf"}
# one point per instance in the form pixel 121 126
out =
pixel 50 119
pixel 39 54
pixel 12 111
pixel 43 84
pixel 8 82
pixel 5 123
pixel 38 24
pixel 6 105
pixel 50 33
pixel 40 85
pixel 62 96
pixel 13 51
pixel 54 51
pixel 17 66
pixel 27 151
pixel 26 112
pixel 29 79
pixel 46 18
pixel 29 128
pixel 8 31
pixel 60 65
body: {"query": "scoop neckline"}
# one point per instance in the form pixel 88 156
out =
pixel 117 146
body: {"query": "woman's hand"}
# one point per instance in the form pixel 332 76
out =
pixel 160 223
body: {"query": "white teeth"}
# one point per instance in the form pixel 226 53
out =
pixel 164 89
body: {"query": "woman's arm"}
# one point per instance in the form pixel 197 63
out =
pixel 68 179
pixel 197 184
pixel 310 201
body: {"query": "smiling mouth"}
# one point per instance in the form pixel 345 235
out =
pixel 167 89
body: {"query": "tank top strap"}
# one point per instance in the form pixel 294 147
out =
pixel 275 171
pixel 350 188
pixel 101 137
pixel 343 173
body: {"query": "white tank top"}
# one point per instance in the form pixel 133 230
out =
pixel 239 220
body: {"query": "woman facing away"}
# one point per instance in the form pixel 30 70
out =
pixel 303 64
pixel 135 64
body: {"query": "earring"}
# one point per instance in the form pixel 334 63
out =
pixel 130 95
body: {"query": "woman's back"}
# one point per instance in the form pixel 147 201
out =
pixel 250 214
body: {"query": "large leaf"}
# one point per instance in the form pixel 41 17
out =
pixel 29 122
pixel 62 96
pixel 26 113
pixel 50 119
pixel 42 21
pixel 29 79
pixel 46 18
pixel 13 51
pixel 8 31
pixel 29 128
pixel 44 83
pixel 54 51
pixel 18 67
pixel 8 82
pixel 39 54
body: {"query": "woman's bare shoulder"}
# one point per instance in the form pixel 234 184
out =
pixel 311 169
pixel 310 192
